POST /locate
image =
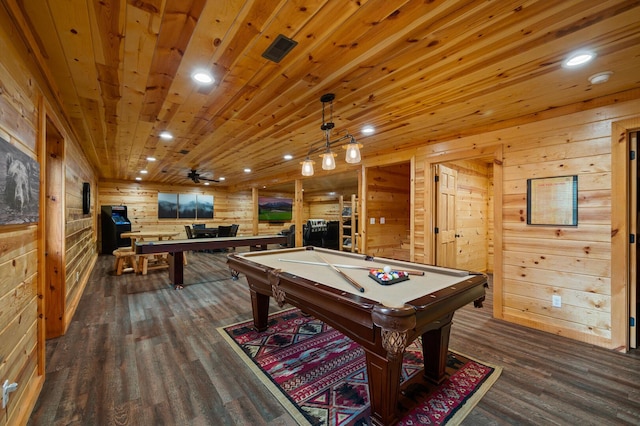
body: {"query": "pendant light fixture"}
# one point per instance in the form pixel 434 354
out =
pixel 328 156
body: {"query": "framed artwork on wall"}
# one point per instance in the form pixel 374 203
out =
pixel 187 206
pixel 204 206
pixel 167 206
pixel 19 186
pixel 275 209
pixel 552 201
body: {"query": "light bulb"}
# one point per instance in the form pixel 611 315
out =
pixel 353 152
pixel 328 160
pixel 307 167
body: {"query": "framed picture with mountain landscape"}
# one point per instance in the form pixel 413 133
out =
pixel 275 209
pixel 167 206
pixel 204 206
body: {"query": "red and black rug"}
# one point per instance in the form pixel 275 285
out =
pixel 319 375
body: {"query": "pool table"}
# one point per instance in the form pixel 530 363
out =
pixel 176 249
pixel 383 319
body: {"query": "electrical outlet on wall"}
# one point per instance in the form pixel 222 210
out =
pixel 77 276
pixel 556 301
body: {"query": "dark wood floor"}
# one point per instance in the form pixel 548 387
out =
pixel 140 353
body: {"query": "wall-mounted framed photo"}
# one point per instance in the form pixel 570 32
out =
pixel 552 201
pixel 167 206
pixel 19 186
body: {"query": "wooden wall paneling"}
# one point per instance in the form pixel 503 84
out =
pixel 412 207
pixel 364 212
pixel 490 219
pixel 418 210
pixel 228 207
pixel 255 210
pixel 498 242
pixel 298 206
pixel 583 149
pixel 22 352
pixel 80 235
pixel 323 207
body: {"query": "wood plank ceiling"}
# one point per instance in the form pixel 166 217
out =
pixel 418 71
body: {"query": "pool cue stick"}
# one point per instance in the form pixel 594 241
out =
pixel 307 262
pixel 345 276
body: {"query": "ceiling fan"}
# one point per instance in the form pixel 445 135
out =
pixel 196 178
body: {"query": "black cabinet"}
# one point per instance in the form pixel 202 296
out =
pixel 114 223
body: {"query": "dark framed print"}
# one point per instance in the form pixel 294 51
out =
pixel 19 186
pixel 167 206
pixel 552 201
pixel 86 198
pixel 204 206
pixel 187 206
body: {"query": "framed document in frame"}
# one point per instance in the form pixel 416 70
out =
pixel 552 201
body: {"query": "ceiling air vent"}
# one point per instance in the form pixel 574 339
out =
pixel 279 48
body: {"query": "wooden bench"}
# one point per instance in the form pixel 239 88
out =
pixel 125 260
pixel 147 262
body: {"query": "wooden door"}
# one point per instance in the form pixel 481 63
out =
pixel 446 188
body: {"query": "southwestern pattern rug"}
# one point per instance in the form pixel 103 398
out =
pixel 320 377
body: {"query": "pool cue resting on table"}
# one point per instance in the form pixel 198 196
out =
pixel 410 272
pixel 345 276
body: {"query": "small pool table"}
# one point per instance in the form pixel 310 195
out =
pixel 383 319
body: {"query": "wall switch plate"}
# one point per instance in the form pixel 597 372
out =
pixel 382 221
pixel 372 220
pixel 556 301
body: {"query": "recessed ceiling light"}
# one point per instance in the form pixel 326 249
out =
pixel 202 77
pixel 288 157
pixel 144 172
pixel 138 178
pixel 151 158
pixel 368 130
pixel 247 170
pixel 578 58
pixel 221 178
pixel 206 183
pixel 166 135
pixel 601 77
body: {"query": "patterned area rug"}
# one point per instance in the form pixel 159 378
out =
pixel 320 376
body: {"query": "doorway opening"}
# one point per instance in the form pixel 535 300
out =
pixel 463 214
pixel 634 225
pixel 53 223
pixel 388 211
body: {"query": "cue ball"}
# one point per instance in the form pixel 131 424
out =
pixel 387 269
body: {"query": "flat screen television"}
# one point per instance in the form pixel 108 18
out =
pixel 275 209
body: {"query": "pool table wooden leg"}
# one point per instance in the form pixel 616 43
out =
pixel 435 346
pixel 260 308
pixel 384 385
pixel 176 269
